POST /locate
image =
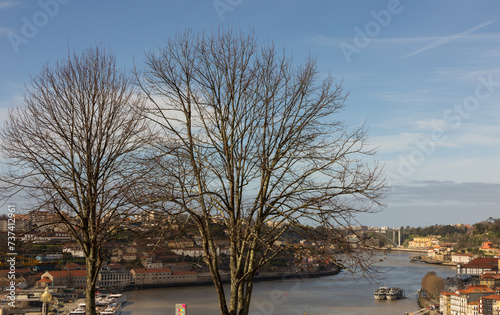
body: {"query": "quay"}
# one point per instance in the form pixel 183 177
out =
pixel 427 260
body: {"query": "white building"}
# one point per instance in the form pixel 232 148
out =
pixel 461 258
pixel 114 278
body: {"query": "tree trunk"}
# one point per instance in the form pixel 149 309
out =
pixel 93 266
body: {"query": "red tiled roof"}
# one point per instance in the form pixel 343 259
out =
pixel 73 266
pixel 183 273
pixel 68 273
pixel 490 276
pixel 44 280
pixel 476 289
pixel 482 263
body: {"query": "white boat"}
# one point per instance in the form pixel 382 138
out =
pixel 112 309
pixel 108 309
pixel 117 298
pixel 380 293
pixel 102 301
pixel 394 293
pixel 80 310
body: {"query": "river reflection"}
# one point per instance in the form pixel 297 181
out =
pixel 339 294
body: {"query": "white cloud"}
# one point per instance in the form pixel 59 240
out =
pixel 431 124
pixel 8 3
pixel 424 203
pixel 480 139
pixel 400 142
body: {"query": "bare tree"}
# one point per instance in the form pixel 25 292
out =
pixel 247 137
pixel 432 284
pixel 71 147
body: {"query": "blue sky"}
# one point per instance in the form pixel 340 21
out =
pixel 424 76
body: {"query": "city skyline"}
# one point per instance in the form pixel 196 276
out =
pixel 424 77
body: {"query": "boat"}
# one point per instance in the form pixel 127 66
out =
pixel 111 309
pixel 102 301
pixel 79 310
pixel 117 298
pixel 394 293
pixel 380 293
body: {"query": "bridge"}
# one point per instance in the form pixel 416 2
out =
pixel 393 236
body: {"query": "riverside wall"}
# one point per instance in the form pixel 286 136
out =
pixel 205 280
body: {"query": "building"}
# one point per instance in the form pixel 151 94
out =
pixel 185 242
pixel 67 278
pixel 461 258
pixel 113 275
pixel 460 300
pixel 44 282
pixel 487 245
pixel 20 275
pixel 444 302
pixel 149 263
pixel 179 266
pixel 478 266
pixel 490 305
pixel 422 242
pixel 183 276
pixel 74 249
pixel 490 280
pixel 20 225
pixel 161 276
pixel 473 308
pixel 73 266
pixel 150 275
pixel 191 252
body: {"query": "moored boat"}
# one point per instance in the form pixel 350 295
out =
pixel 380 293
pixel 394 293
pixel 117 298
pixel 80 310
pixel 104 306
pixel 112 309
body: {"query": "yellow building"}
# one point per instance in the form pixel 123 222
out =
pixel 422 242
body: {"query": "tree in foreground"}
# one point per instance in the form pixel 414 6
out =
pixel 71 147
pixel 247 137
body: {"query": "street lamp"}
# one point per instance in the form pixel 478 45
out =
pixel 46 298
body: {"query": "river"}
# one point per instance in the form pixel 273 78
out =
pixel 340 294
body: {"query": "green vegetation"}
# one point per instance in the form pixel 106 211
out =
pixel 467 238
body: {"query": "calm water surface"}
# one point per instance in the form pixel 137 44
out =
pixel 339 294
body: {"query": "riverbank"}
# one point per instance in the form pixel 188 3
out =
pixel 206 281
pixel 404 249
pixel 428 260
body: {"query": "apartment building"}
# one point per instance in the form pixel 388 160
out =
pixel 459 301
